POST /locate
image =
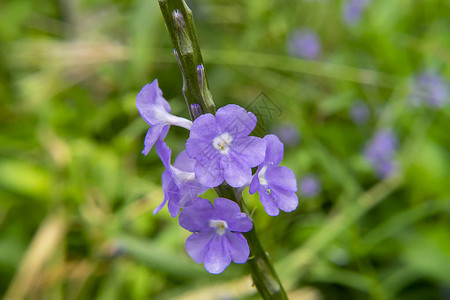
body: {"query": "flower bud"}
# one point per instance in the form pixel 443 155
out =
pixel 184 41
pixel 196 110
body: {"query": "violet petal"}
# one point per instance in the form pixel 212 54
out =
pixel 250 149
pixel 268 202
pixel 281 177
pixel 274 149
pixel 153 134
pixel 217 258
pixel 237 246
pixel 236 173
pixel 196 217
pixel 235 120
pixel 198 244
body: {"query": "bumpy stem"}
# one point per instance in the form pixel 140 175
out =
pixel 179 22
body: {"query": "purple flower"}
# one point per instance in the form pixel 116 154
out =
pixel 353 10
pixel 179 184
pixel 288 134
pixel 359 112
pixel 380 152
pixel 309 186
pixel 276 185
pixel 304 43
pixel 216 239
pixel 155 110
pixel 222 148
pixel 429 89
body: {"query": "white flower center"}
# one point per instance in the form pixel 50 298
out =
pixel 219 225
pixel 222 142
pixel 262 176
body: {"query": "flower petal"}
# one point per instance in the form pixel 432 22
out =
pixel 281 177
pixel 197 245
pixel 237 246
pixel 209 173
pixel 200 142
pixel 235 172
pixel 204 128
pixel 196 217
pixel 164 153
pixel 230 212
pixel 150 103
pixel 250 149
pixel 166 178
pixel 153 134
pixel 235 120
pixel 217 258
pixel 286 201
pixel 189 191
pixel 201 150
pixel 174 206
pixel 254 184
pixel 268 202
pixel 171 193
pixel 274 149
pixel 184 162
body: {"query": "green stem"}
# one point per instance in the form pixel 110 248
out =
pixel 180 24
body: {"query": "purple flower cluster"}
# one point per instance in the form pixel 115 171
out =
pixel 429 89
pixel 219 150
pixel 380 152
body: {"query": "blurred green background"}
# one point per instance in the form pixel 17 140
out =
pixel 76 194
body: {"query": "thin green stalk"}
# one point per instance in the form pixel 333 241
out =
pixel 179 22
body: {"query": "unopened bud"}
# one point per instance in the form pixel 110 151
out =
pixel 196 110
pixel 179 20
pixel 201 77
pixel 203 86
pixel 184 41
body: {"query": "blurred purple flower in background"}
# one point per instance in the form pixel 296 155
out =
pixel 304 43
pixel 359 112
pixel 429 89
pixel 380 152
pixel 353 10
pixel 309 186
pixel 216 237
pixel 288 134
